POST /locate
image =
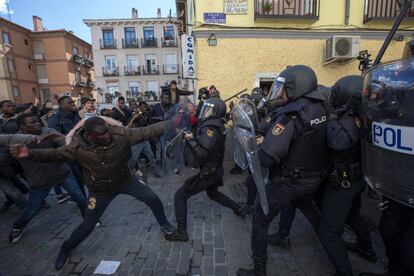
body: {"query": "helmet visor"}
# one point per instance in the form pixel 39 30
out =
pixel 207 111
pixel 276 89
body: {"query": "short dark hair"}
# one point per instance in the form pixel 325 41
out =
pixel 61 99
pixel 173 82
pixel 92 123
pixel 22 117
pixel 121 98
pixel 141 103
pixel 3 102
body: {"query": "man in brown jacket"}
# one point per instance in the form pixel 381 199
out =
pixel 103 152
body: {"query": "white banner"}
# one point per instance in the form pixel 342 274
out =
pixel 235 6
pixel 188 48
pixel 395 138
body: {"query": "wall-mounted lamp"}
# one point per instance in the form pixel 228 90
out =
pixel 398 37
pixel 212 40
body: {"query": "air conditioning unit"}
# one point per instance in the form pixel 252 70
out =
pixel 341 48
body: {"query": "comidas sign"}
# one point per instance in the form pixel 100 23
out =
pixel 187 44
pixel 395 138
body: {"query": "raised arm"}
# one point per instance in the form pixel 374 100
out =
pixel 141 134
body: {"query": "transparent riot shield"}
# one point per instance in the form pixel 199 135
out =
pixel 244 131
pixel 388 130
pixel 239 153
pixel 177 122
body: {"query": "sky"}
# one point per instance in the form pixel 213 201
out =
pixel 68 14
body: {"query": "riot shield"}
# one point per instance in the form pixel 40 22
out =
pixel 177 121
pixel 239 153
pixel 245 134
pixel 388 130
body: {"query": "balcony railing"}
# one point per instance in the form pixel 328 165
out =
pixel 110 71
pixel 169 42
pixel 153 70
pixel 170 69
pixel 88 62
pixel 81 83
pixel 132 70
pixel 130 43
pixel 108 43
pixel 379 10
pixel 77 59
pixel 287 9
pixel 91 84
pixel 149 43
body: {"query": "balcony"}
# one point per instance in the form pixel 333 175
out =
pixel 153 70
pixel 91 84
pixel 132 70
pixel 88 62
pixel 38 56
pixel 110 71
pixel 130 43
pixel 169 42
pixel 382 10
pixel 81 82
pixel 107 43
pixel 77 59
pixel 149 43
pixel 170 69
pixel 288 9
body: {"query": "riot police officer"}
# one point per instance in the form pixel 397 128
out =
pixel 208 147
pixel 342 199
pixel 294 147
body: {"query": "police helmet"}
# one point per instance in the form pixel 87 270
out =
pixel 298 80
pixel 213 108
pixel 345 89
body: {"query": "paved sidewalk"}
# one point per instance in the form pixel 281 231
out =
pixel 219 241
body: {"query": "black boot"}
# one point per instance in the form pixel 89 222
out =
pixel 180 234
pixel 279 240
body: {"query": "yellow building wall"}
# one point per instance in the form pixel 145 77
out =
pixel 232 65
pixel 331 16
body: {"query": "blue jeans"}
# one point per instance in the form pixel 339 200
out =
pixel 136 150
pixel 12 193
pixel 38 195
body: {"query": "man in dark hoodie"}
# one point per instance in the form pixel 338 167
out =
pixel 103 151
pixel 120 111
pixel 41 176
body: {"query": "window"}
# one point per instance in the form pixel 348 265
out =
pixel 170 63
pixel 11 65
pixel 78 76
pixel 6 38
pixel 34 90
pixel 16 91
pixel 130 38
pixel 86 55
pixel 149 33
pixel 30 66
pixel 134 88
pixel 41 71
pixel 26 42
pixel 113 91
pixel 108 38
pixel 75 50
pixel 152 91
pixel 38 48
pixel 132 62
pixel 169 33
pixel 110 62
pixel 150 63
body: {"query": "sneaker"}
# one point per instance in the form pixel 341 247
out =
pixel 369 255
pixel 156 174
pixel 278 240
pixel 177 236
pixel 62 259
pixel 167 228
pixel 177 171
pixel 63 197
pixel 99 223
pixel 15 235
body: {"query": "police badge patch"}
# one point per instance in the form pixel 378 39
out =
pixel 278 129
pixel 210 133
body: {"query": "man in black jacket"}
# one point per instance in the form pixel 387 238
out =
pixel 175 93
pixel 208 148
pixel 120 111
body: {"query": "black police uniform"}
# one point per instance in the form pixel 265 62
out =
pixel 342 200
pixel 294 147
pixel 208 147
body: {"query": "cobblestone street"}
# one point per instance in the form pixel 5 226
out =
pixel 219 241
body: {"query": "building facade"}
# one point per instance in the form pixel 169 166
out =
pixel 246 43
pixel 134 57
pixel 41 63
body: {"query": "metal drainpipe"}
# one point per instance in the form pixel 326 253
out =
pixel 347 11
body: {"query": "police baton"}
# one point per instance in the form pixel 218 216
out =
pixel 235 95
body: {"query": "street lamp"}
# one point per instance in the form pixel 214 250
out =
pixel 212 40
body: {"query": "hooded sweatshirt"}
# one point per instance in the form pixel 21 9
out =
pixel 120 115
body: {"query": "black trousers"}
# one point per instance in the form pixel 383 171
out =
pixel 97 204
pixel 342 206
pixel 397 231
pixel 195 185
pixel 281 192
